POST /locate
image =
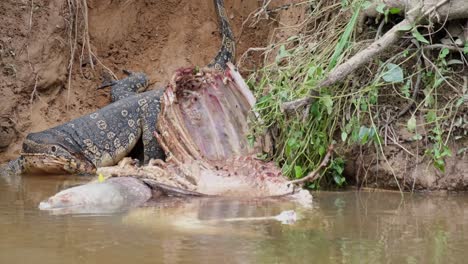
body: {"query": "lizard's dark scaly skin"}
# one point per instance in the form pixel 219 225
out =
pixel 135 82
pixel 227 51
pixel 104 137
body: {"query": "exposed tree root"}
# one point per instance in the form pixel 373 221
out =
pixel 78 25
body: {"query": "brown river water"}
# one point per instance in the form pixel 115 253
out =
pixel 341 227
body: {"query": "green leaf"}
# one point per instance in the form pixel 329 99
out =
pixel 292 142
pixel 282 53
pixel 298 171
pixel 380 8
pixel 405 89
pixel 327 101
pixel 339 180
pixel 405 28
pixel 443 53
pixel 363 135
pixel 395 10
pixel 287 150
pixel 431 116
pixel 465 49
pixel 372 132
pixel 418 36
pixel 446 152
pixel 263 156
pixel 440 164
pixel 251 140
pixel 438 82
pixel 429 98
pixel 411 124
pixel 344 136
pixel 416 137
pixel 366 4
pixel 311 71
pixel 405 53
pixel 344 40
pixel 393 74
pixel 321 150
pixel 436 153
pixel 338 165
pixel 364 105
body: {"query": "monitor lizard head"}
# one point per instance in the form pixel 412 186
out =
pixel 52 152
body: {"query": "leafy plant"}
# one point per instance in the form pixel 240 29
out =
pixel 353 112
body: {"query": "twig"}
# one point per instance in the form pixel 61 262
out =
pixel 284 7
pixel 379 30
pixel 443 46
pixel 413 97
pixel 73 26
pixel 104 66
pixel 465 83
pixel 437 70
pixel 33 69
pixel 31 16
pixel 401 146
pixel 256 14
pixel 86 32
pixel 314 174
pixel 33 93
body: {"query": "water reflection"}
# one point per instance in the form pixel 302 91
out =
pixel 344 227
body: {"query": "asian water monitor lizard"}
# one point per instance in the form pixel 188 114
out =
pixel 98 139
pixel 104 137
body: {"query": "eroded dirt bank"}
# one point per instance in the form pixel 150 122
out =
pixel 156 37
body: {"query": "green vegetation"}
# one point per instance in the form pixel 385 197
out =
pixel 412 81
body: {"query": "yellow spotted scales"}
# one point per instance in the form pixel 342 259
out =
pixel 104 137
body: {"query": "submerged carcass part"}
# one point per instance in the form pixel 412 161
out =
pixel 114 194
